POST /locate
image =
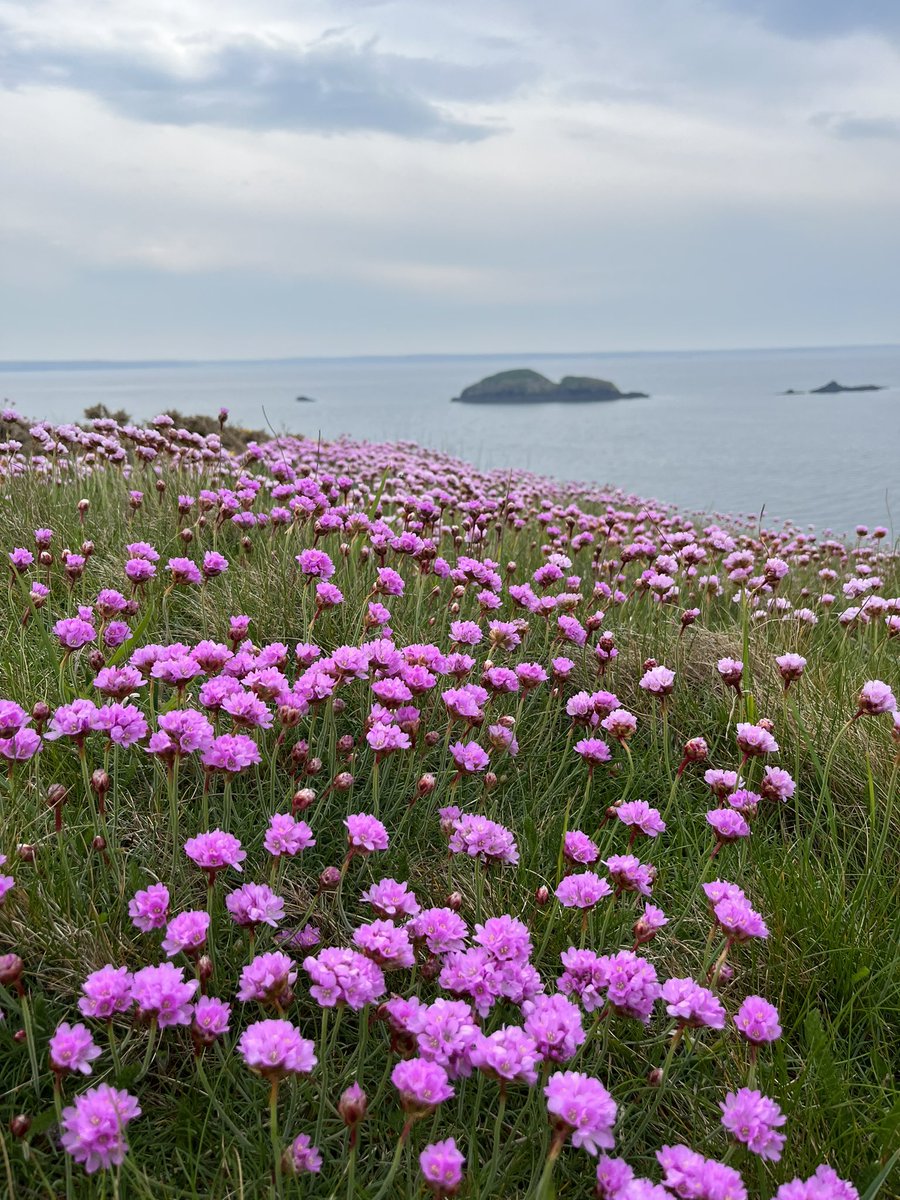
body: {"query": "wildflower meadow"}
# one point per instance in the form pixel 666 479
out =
pixel 375 826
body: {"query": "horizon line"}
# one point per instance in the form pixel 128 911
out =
pixel 36 364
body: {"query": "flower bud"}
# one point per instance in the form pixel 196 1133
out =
pixel 338 705
pixel 352 1105
pixel 343 781
pixel 288 716
pixel 455 901
pixel 25 852
pixel 11 968
pixel 426 785
pixel 299 752
pixel 303 799
pixel 432 737
pixel 56 794
pixel 313 766
pixel 45 558
pixel 430 970
pixel 765 723
pixel 490 781
pixel 345 745
pixel 542 895
pixel 329 879
pixel 19 1125
pixel 696 749
pixel 40 713
pixel 87 549
pixel 649 664
pixel 96 660
pixel 204 970
pixel 100 782
pixel 655 1077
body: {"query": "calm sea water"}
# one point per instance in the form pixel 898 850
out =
pixel 714 434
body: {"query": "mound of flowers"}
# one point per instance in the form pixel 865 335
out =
pixel 350 829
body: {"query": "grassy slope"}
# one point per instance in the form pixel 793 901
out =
pixel 822 870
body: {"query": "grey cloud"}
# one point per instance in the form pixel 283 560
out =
pixel 853 127
pixel 822 18
pixel 333 86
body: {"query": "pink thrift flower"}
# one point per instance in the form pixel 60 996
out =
pixel 753 1119
pixel 73 1049
pixel 582 891
pixel 304 1156
pixel 287 836
pixel 186 932
pixel 757 1020
pixel 162 993
pixel 149 909
pixel 365 833
pixel 215 850
pixel 442 1165
pixel 275 1048
pixel 106 992
pixel 255 904
pixel 582 1106
pixel 639 817
pixel 93 1128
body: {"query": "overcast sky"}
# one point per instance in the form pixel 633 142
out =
pixel 276 177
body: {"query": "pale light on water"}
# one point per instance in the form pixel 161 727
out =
pixel 714 434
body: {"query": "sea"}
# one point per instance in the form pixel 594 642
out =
pixel 715 435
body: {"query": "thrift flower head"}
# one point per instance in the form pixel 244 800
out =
pixel 583 1107
pixel 72 1049
pixel 480 838
pixel 639 817
pixel 276 1048
pixel 658 681
pixel 215 850
pixel 93 1128
pixel 422 1085
pixel 754 740
pixel 365 833
pixel 753 1119
pixel 776 784
pixel 757 1020
pixel 509 1054
pixel 163 994
pixel 692 1177
pixel 692 1004
pixel 231 752
pixel 186 932
pixel 554 1023
pixel 149 908
pixel 211 1019
pixel 255 904
pixel 582 891
pixel 875 698
pixel 269 979
pixel 442 1167
pixel 391 899
pixel 343 976
pixel 823 1184
pixel 105 992
pixel 613 1174
pixel 305 1157
pixel 594 751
